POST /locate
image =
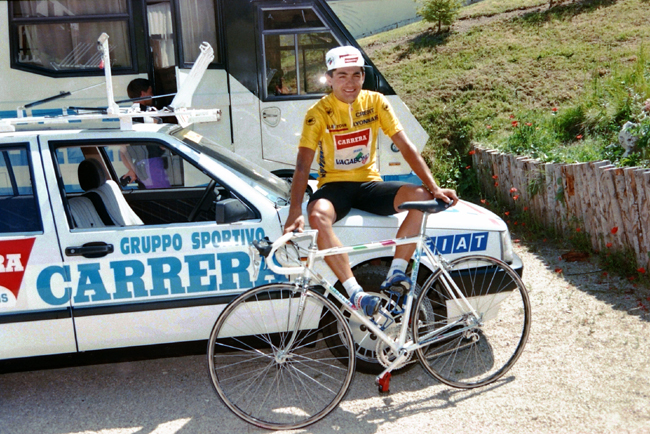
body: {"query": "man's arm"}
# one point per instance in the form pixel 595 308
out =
pixel 295 220
pixel 419 166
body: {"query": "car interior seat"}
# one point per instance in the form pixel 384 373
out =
pixel 102 204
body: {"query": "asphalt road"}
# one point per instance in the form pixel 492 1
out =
pixel 585 370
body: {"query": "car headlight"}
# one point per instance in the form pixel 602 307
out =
pixel 508 253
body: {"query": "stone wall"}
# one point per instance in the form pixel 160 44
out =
pixel 611 204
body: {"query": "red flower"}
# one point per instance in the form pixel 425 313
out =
pixel 554 109
pixel 608 245
pixel 489 127
pixel 578 229
pixel 528 124
pixel 468 167
pixel 516 241
pixel 525 208
pixel 513 190
pixel 614 230
pixel 579 136
pixel 496 184
pixel 515 123
pixel 558 270
pixel 507 213
pixel 472 152
pixel 495 176
pixel 641 270
pixel 604 273
pixel 512 116
pixel 515 197
pixel 483 201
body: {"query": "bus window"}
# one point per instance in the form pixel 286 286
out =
pixel 198 25
pixel 60 37
pixel 295 44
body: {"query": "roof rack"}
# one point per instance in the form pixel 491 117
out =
pixel 121 117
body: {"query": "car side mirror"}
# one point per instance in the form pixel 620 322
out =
pixel 231 211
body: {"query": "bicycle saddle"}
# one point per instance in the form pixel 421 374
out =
pixel 430 206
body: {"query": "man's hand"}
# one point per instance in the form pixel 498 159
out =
pixel 294 223
pixel 447 195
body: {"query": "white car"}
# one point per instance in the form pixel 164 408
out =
pixel 90 260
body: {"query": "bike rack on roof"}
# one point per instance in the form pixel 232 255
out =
pixel 120 117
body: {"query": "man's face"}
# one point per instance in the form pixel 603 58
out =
pixel 346 83
pixel 149 92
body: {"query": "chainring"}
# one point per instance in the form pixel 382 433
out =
pixel 385 355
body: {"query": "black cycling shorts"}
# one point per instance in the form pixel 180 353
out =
pixel 376 197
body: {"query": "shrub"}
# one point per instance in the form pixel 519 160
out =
pixel 442 12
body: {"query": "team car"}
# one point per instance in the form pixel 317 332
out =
pixel 89 261
pixel 115 234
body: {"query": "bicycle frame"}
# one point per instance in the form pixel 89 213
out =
pixel 401 347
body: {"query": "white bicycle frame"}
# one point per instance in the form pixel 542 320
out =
pixel 403 348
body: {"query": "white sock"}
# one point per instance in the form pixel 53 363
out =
pixel 398 264
pixel 352 286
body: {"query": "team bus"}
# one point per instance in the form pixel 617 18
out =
pixel 268 67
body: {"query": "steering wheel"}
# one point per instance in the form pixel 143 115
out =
pixel 195 211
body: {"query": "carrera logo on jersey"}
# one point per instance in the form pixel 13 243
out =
pixel 352 150
pixel 358 138
pixel 14 256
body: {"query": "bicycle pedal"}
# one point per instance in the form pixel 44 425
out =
pixel 383 384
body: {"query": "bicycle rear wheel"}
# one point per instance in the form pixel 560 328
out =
pixel 265 374
pixel 469 355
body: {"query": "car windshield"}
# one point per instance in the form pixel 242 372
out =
pixel 274 188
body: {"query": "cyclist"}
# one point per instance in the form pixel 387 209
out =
pixel 342 129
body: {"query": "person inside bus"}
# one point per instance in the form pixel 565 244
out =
pixel 342 129
pixel 141 88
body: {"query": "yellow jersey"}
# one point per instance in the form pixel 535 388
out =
pixel 344 136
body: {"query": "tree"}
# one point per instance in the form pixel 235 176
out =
pixel 442 12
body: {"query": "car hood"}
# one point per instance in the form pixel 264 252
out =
pixel 464 216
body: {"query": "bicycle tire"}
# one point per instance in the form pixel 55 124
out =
pixel 248 372
pixel 483 353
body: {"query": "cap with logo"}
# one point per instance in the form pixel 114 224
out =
pixel 341 57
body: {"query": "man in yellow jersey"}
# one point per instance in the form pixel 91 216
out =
pixel 341 131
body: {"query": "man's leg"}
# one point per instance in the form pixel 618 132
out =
pixel 397 280
pixel 322 216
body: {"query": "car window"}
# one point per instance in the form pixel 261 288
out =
pixel 275 189
pixel 139 183
pixel 18 205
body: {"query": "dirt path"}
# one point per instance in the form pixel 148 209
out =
pixel 585 370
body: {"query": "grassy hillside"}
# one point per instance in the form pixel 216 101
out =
pixel 518 60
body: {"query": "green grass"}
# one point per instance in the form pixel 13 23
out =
pixel 585 58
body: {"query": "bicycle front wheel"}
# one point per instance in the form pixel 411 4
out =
pixel 460 351
pixel 268 359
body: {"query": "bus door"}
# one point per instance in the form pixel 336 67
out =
pixel 176 29
pixel 162 63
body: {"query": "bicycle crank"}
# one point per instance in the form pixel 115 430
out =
pixel 385 355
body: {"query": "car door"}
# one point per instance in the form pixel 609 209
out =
pixel 166 277
pixel 35 313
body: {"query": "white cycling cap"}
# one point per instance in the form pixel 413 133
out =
pixel 341 57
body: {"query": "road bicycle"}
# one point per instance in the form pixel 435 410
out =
pixel 282 356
